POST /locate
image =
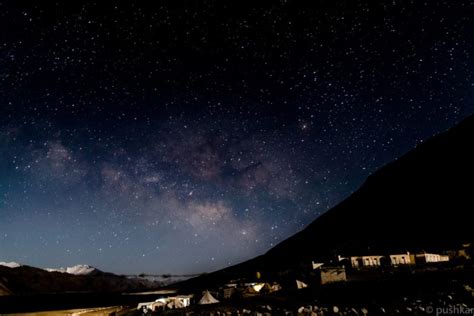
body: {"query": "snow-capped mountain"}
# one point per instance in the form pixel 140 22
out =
pixel 77 279
pixel 10 264
pixel 80 269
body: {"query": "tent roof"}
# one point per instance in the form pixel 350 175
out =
pixel 207 298
pixel 300 284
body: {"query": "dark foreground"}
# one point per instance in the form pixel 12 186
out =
pixel 407 292
pixel 52 302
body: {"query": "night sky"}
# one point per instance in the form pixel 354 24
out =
pixel 186 136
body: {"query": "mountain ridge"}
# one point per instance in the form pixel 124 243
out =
pixel 430 176
pixel 78 269
pixel 27 280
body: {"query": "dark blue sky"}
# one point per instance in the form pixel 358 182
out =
pixel 184 138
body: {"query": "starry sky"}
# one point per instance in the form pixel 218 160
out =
pixel 186 136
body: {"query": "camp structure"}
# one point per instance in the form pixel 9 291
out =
pixel 144 306
pixel 253 289
pixel 182 301
pixel 300 285
pixel 332 274
pixel 153 306
pixel 207 298
pixel 270 288
pixel 276 287
pixel 431 258
pixel 402 259
pixel 175 302
pixel 316 265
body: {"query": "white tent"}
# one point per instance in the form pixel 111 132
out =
pixel 146 305
pixel 316 265
pixel 258 287
pixel 254 288
pixel 301 285
pixel 207 298
pixel 167 302
pixel 182 301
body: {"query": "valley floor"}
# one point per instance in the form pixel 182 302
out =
pixel 372 292
pixel 98 311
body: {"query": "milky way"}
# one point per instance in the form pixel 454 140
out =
pixel 183 138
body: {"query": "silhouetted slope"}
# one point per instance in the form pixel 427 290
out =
pixel 421 201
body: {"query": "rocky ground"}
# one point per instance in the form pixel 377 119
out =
pixel 377 292
pixel 445 305
pixel 427 294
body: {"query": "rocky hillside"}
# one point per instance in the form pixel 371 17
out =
pixel 422 201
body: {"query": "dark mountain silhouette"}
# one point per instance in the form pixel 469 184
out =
pixel 26 280
pixel 421 201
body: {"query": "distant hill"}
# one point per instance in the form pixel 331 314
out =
pixel 10 264
pixel 421 201
pixel 80 269
pixel 26 280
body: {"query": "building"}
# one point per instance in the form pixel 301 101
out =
pixel 393 259
pixel 431 258
pixel 401 259
pixel 228 292
pixel 366 261
pixel 332 274
pixel 175 302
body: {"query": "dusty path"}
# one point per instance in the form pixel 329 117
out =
pixel 98 311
